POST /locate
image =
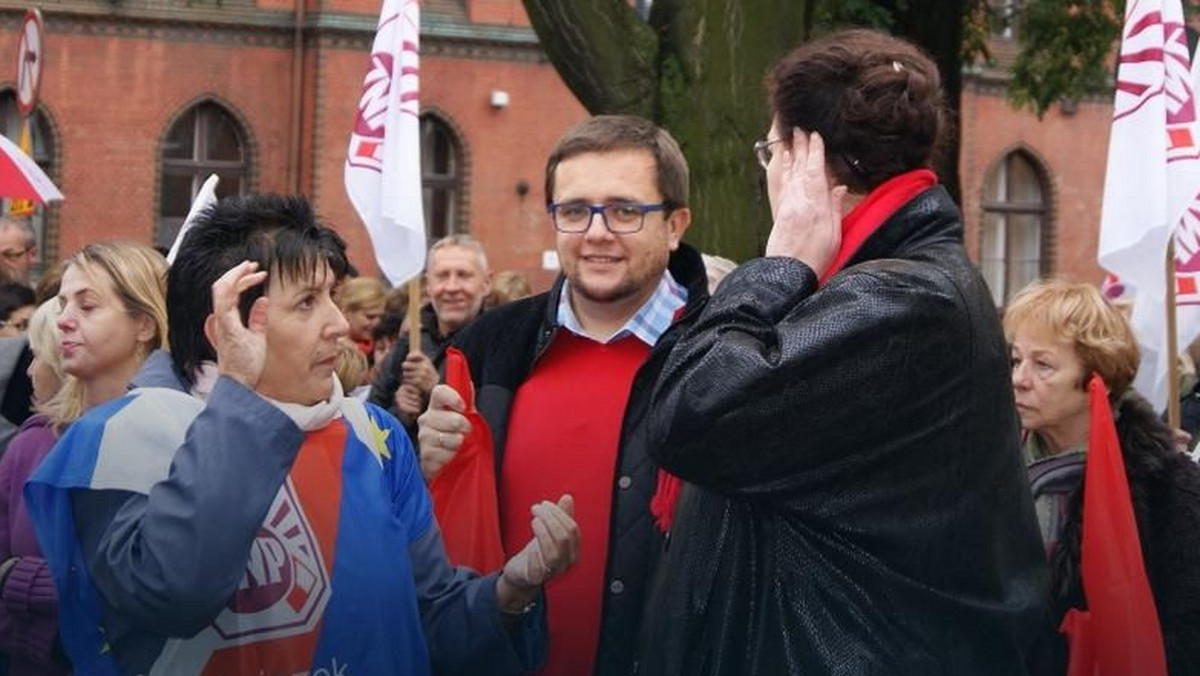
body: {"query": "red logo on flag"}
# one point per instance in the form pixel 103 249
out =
pixel 285 587
pixel 1180 138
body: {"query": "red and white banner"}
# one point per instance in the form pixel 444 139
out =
pixel 1152 184
pixel 21 177
pixel 383 165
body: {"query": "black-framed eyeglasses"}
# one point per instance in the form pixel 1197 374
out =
pixel 762 151
pixel 621 218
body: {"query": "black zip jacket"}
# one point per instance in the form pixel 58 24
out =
pixel 502 347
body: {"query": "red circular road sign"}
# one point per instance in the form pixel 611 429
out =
pixel 30 56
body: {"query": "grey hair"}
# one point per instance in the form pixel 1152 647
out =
pixel 12 224
pixel 464 241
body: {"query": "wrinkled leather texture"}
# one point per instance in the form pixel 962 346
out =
pixel 857 501
pixel 502 347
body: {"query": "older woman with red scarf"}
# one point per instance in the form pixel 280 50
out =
pixel 841 412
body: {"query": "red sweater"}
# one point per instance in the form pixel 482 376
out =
pixel 562 438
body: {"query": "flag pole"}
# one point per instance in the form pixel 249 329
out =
pixel 414 314
pixel 1172 342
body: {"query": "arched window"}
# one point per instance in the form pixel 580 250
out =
pixel 441 177
pixel 42 138
pixel 1014 224
pixel 204 140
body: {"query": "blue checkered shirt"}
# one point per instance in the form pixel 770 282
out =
pixel 648 324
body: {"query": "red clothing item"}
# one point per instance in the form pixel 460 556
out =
pixel 562 438
pixel 878 206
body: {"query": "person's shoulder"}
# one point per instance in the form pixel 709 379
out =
pixel 378 430
pixel 144 420
pixel 504 322
pixel 912 279
pixel 32 442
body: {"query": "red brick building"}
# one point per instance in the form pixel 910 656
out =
pixel 1031 189
pixel 141 99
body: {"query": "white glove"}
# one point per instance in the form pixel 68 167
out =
pixel 553 549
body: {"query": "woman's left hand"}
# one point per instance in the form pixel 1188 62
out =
pixel 552 551
pixel 808 221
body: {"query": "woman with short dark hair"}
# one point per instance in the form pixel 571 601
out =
pixel 841 410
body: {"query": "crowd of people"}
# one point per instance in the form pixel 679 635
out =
pixel 832 459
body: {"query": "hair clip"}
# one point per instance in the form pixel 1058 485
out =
pixel 897 66
pixel 855 165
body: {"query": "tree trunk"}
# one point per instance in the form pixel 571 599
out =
pixel 605 53
pixel 697 70
pixel 943 40
pixel 712 64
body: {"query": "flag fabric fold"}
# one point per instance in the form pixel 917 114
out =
pixel 1153 173
pixel 23 207
pixel 205 197
pixel 464 494
pixel 383 163
pixel 1119 634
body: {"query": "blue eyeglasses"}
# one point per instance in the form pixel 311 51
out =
pixel 621 218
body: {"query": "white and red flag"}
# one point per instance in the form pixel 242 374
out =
pixel 383 165
pixel 1153 178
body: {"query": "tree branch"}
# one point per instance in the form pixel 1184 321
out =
pixel 606 54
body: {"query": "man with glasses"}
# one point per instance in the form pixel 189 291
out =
pixel 18 249
pixel 562 379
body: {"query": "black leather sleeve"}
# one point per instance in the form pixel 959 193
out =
pixel 775 380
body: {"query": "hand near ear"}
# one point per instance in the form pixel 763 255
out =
pixel 241 349
pixel 808 220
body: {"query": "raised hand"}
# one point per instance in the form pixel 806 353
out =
pixel 241 348
pixel 808 220
pixel 552 551
pixel 441 429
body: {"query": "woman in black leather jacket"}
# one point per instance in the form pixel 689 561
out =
pixel 841 410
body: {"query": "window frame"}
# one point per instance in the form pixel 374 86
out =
pixel 1008 207
pixel 453 182
pixel 199 166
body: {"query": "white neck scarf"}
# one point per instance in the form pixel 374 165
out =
pixel 307 418
pixel 318 415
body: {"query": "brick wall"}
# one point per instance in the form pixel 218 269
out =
pixel 1072 151
pixel 113 96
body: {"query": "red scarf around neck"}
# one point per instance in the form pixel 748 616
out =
pixel 857 226
pixel 874 209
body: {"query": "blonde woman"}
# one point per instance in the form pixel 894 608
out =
pixel 109 315
pixel 362 300
pixel 1060 335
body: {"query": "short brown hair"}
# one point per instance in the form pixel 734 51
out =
pixel 875 99
pixel 1078 315
pixel 605 133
